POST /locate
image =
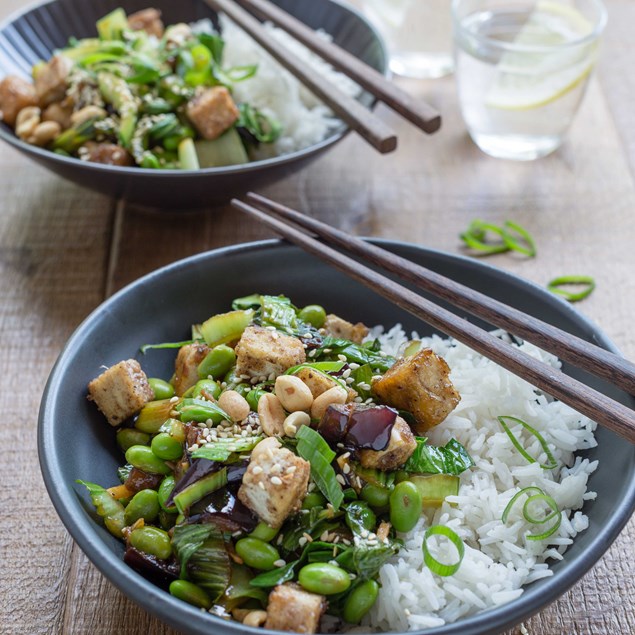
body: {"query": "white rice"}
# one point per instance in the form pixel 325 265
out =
pixel 499 559
pixel 277 93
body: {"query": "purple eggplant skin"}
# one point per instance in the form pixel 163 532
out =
pixel 160 572
pixel 357 426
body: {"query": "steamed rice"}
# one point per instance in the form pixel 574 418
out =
pixel 498 559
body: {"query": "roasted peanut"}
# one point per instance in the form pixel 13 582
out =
pixel 44 133
pixel 294 421
pixel 255 618
pixel 337 394
pixel 234 404
pixel 26 121
pixel 59 113
pixel 271 414
pixel 293 393
pixel 86 113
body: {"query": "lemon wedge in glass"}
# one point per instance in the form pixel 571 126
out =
pixel 546 64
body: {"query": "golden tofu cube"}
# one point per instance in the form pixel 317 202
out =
pixel 212 111
pixel 338 327
pixel 400 447
pixel 293 609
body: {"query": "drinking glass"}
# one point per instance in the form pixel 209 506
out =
pixel 522 69
pixel 418 34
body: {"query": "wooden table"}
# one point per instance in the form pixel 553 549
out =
pixel 64 249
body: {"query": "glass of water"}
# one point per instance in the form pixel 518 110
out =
pixel 418 34
pixel 522 68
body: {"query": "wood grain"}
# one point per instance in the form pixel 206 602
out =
pixel 63 249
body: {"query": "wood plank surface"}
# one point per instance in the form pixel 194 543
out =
pixel 63 249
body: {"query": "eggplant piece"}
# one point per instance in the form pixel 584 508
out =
pixel 138 480
pixel 160 572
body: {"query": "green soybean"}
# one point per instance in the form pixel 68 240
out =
pixel 205 387
pixel 144 504
pixel 313 314
pixel 253 397
pixel 405 506
pixel 257 553
pixel 375 495
pixel 127 437
pixel 359 601
pixel 313 499
pixel 165 489
pixel 162 389
pixel 217 362
pixel 324 578
pixel 166 447
pixel 143 458
pixel 262 531
pixel 360 516
pixel 190 593
pixel 153 541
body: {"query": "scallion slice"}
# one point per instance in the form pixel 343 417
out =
pixel 528 249
pixel 535 494
pixel 432 563
pixel 587 282
pixel 543 444
pixel 513 238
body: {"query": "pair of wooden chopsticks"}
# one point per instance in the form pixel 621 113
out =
pixel 363 121
pixel 300 229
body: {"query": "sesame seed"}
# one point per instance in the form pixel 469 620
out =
pixel 291 469
pixel 275 336
pixel 341 479
pixel 335 549
pixel 369 400
pixel 174 399
pixel 276 480
pixel 276 468
pixel 307 537
pixel 256 469
pixel 358 400
pixel 377 377
pixel 193 447
pixel 302 541
pixel 372 542
pixel 341 357
pixel 346 541
pixel 325 536
pixel 406 612
pixel 345 455
pixel 279 563
pixel 372 536
pixel 254 381
pixel 312 353
pixel 261 485
pixel 346 468
pixel 326 351
pixel 334 563
pixel 364 533
pixel 271 377
pixel 349 380
pixel 346 373
pixel 354 366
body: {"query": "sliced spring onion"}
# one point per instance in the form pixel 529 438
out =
pixel 543 444
pixel 528 249
pixel 432 563
pixel 512 236
pixel 587 282
pixel 535 494
pixel 147 347
pixel 222 449
pixel 313 448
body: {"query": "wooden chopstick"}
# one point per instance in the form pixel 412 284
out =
pixel 611 414
pixel 363 121
pixel 413 109
pixel 580 353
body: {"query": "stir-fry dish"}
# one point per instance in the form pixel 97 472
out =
pixel 299 472
pixel 139 94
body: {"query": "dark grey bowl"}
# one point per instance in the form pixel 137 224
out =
pixel 76 442
pixel 35 33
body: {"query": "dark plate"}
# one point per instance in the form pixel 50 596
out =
pixel 76 442
pixel 35 33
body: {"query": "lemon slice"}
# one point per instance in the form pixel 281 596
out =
pixel 530 79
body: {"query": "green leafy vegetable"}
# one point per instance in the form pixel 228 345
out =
pixel 356 353
pixel 279 312
pixel 313 448
pixel 264 129
pixel 222 449
pixel 452 458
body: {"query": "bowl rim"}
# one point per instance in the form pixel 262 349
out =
pixel 336 135
pixel 83 529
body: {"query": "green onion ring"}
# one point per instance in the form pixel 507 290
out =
pixel 556 514
pixel 432 563
pixel 515 497
pixel 474 237
pixel 512 243
pixel 543 444
pixel 555 284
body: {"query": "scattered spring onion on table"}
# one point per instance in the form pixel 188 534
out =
pixel 586 282
pixel 512 237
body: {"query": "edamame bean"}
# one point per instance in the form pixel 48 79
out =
pixel 405 506
pixel 262 531
pixel 161 388
pixel 144 504
pixel 360 516
pixel 190 593
pixel 313 314
pixel 205 388
pixel 166 448
pixel 313 499
pixel 142 457
pixel 253 397
pixel 324 578
pixel 175 429
pixel 127 437
pixel 359 601
pixel 165 489
pixel 152 540
pixel 217 362
pixel 375 495
pixel 257 553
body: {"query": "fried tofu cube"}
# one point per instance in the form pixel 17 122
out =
pixel 51 80
pixel 400 447
pixel 261 352
pixel 186 366
pixel 212 111
pixel 421 385
pixel 275 482
pixel 319 383
pixel 15 94
pixel 121 391
pixel 338 327
pixel 148 20
pixel 291 608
